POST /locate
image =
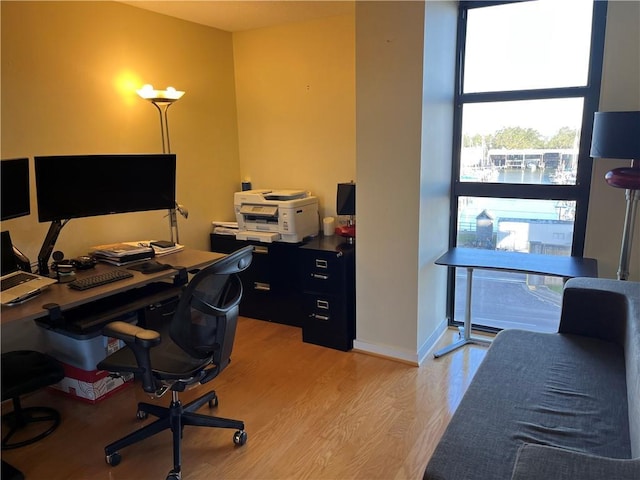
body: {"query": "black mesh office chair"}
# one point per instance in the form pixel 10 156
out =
pixel 202 333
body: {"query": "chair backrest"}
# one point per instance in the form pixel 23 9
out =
pixel 204 323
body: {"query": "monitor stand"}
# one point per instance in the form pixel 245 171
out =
pixel 48 245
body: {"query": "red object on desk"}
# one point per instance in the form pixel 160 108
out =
pixel 346 231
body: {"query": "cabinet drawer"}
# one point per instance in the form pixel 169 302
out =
pixel 322 273
pixel 262 303
pixel 316 260
pixel 323 305
pixel 225 243
pixel 326 322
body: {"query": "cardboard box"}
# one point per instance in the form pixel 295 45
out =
pixel 90 386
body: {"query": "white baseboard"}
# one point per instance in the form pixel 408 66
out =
pixel 405 356
pixel 430 342
pixel 386 351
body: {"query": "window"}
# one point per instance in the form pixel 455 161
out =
pixel 528 85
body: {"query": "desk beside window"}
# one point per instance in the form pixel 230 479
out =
pixel 472 258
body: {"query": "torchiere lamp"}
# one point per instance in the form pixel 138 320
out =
pixel 162 100
pixel 617 135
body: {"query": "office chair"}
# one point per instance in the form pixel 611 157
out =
pixel 25 371
pixel 197 350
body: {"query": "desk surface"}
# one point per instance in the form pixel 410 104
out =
pixel 68 298
pixel 554 265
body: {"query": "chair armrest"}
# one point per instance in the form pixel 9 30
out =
pixel 132 334
pixel 534 462
pixel 140 341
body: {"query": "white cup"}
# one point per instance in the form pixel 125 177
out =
pixel 328 226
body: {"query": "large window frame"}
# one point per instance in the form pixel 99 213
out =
pixel 578 192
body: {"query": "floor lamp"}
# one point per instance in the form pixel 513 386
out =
pixel 162 100
pixel 617 135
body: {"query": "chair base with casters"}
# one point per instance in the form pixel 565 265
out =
pixel 175 417
pixel 194 351
pixel 25 371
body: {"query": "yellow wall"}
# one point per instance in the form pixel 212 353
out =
pixel 69 75
pixel 295 86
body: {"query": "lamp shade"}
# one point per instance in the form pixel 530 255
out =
pixel 161 96
pixel 616 135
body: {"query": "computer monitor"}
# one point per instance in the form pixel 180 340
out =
pixel 14 178
pixel 346 199
pixel 75 186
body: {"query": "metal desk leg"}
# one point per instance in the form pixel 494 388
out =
pixel 467 338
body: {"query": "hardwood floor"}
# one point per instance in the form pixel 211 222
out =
pixel 310 413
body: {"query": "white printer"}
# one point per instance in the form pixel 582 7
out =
pixel 276 215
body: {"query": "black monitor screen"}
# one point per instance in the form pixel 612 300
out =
pixel 14 175
pixel 89 185
pixel 346 199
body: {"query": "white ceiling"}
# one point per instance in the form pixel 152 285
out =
pixel 239 15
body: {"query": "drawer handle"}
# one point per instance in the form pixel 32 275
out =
pixel 320 263
pixel 261 249
pixel 319 276
pixel 265 287
pixel 320 317
pixel 323 304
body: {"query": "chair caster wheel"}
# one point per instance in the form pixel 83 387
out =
pixel 173 475
pixel 141 415
pixel 213 403
pixel 113 459
pixel 240 437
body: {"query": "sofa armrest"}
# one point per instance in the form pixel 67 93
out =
pixel 540 461
pixel 594 307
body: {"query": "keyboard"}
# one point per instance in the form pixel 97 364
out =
pixel 100 279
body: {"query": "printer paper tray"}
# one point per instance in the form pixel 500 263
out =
pixel 264 237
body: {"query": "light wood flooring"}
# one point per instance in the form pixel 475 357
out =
pixel 310 413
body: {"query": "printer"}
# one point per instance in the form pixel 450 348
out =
pixel 275 215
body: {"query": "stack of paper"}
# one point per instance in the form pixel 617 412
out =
pixel 122 253
pixel 158 251
pixel 225 228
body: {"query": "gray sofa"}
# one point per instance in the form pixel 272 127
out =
pixel 560 405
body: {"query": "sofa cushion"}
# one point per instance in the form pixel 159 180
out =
pixel 537 461
pixel 558 390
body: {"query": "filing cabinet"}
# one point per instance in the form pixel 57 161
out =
pixel 270 290
pixel 327 270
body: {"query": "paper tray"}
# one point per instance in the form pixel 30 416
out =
pixel 264 237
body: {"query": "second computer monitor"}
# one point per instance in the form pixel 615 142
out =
pixel 74 186
pixel 346 199
pixel 14 175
